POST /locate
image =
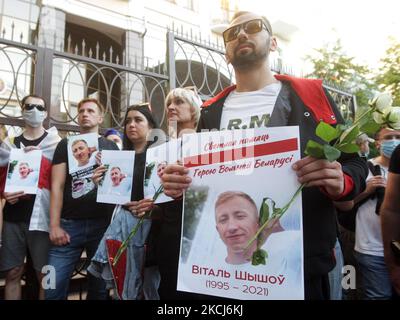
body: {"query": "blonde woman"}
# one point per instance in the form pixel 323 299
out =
pixel 182 106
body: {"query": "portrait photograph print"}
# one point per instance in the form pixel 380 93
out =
pixel 23 171
pixel 241 179
pixel 157 158
pixel 82 151
pixel 116 186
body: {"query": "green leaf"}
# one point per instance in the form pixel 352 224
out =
pixel 349 148
pixel 315 149
pixel 340 128
pixel 349 135
pixel 268 211
pixel 265 211
pixel 370 128
pixel 331 153
pixel 259 257
pixel 326 132
pixel 365 118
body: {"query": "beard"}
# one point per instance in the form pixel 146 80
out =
pixel 249 60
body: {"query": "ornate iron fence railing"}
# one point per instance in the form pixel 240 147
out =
pixel 64 78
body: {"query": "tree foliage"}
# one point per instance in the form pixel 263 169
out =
pixel 389 75
pixel 336 68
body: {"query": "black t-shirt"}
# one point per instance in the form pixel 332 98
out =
pixel 80 193
pixel 395 161
pixel 22 210
pixel 138 176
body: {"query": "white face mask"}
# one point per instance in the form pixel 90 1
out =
pixel 34 117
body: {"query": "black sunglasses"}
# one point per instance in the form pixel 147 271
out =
pixel 30 106
pixel 250 27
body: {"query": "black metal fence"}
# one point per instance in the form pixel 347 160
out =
pixel 64 78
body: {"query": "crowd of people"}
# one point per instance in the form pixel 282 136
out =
pixel 350 186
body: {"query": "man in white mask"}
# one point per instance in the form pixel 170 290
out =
pixel 34 112
pixel 26 216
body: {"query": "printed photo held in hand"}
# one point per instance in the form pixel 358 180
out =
pixel 23 171
pixel 116 185
pixel 224 208
pixel 157 159
pixel 82 151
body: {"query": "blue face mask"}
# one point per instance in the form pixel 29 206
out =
pixel 388 146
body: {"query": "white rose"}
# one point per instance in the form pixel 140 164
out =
pixel 393 118
pixel 378 117
pixel 383 101
pixel 372 101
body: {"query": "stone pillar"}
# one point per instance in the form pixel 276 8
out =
pixel 51 28
pixel 134 89
pixel 51 35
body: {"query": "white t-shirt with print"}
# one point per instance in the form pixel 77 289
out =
pixel 247 110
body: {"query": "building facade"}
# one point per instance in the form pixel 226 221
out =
pixel 121 52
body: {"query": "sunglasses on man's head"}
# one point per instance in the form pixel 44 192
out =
pixel 250 27
pixel 30 106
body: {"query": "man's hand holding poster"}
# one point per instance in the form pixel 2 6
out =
pixel 239 179
pixel 23 171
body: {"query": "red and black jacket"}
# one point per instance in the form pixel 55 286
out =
pixel 309 104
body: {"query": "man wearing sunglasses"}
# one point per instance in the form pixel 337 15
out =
pixel 260 98
pixel 25 216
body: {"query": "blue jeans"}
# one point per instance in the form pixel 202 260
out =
pixel 336 275
pixel 84 234
pixel 375 277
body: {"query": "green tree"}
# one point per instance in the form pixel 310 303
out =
pixel 389 75
pixel 335 67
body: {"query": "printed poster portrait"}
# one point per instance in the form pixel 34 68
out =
pixel 82 151
pixel 233 192
pixel 116 186
pixel 23 171
pixel 157 159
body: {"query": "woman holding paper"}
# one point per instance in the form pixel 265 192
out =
pixel 182 106
pixel 138 124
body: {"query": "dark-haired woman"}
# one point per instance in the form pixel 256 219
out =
pixel 138 124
